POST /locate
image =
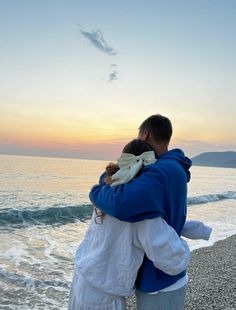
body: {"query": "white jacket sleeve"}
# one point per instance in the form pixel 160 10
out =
pixel 162 245
pixel 196 230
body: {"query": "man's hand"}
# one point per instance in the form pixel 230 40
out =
pixel 112 168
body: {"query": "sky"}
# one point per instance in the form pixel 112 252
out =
pixel 79 77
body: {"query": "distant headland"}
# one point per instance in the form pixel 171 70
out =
pixel 216 159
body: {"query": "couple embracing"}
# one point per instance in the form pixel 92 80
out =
pixel 134 243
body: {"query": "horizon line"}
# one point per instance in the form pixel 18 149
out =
pixel 82 158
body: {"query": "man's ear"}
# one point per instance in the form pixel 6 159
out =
pixel 145 135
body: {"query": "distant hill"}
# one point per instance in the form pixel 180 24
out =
pixel 216 159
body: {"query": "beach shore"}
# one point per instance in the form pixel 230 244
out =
pixel 212 278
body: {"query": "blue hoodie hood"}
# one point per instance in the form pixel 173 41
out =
pixel 178 155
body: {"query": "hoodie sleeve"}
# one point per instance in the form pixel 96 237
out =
pixel 142 198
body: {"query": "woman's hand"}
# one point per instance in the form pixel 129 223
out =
pixel 108 180
pixel 112 168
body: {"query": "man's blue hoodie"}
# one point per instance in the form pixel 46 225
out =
pixel 159 190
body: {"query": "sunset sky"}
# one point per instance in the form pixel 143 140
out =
pixel 78 77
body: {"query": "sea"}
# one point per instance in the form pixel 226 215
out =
pixel 45 211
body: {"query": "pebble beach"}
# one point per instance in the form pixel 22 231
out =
pixel 212 278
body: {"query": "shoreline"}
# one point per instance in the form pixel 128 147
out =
pixel 212 277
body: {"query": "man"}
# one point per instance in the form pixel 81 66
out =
pixel 159 191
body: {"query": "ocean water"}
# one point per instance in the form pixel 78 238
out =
pixel 45 211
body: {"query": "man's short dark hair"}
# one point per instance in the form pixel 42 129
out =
pixel 159 126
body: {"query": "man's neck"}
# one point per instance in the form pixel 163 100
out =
pixel 160 148
pixel 161 151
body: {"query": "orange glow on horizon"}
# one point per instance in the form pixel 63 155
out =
pixel 43 131
pixel 95 137
pixel 48 135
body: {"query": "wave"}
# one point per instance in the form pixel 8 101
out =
pixel 24 217
pixel 46 216
pixel 211 198
pixel 28 282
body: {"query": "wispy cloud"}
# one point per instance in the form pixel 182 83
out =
pixel 113 75
pixel 96 38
